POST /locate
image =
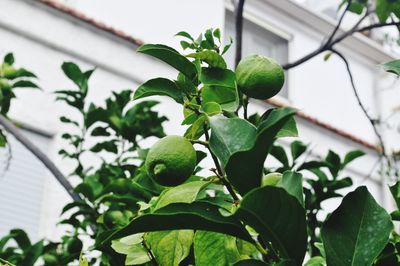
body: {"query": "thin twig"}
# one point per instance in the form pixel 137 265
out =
pixel 339 22
pixel 363 108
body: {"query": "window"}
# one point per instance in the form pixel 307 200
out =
pixel 256 40
pixel 22 179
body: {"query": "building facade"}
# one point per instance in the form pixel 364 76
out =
pixel 44 33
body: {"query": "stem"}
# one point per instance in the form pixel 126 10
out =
pixel 219 172
pixel 245 105
pixel 195 141
pixel 228 186
pixel 239 30
pixel 153 259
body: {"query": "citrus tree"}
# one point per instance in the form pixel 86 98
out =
pixel 163 206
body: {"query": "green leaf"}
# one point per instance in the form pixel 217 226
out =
pixel 289 130
pixel 351 156
pixel 74 73
pixel 32 254
pixel 185 34
pixel 83 261
pixel 297 148
pixel 170 247
pixel 220 87
pixel 216 249
pixel 159 86
pixel 385 7
pixel 185 193
pixel 292 182
pixel 171 57
pixel 212 58
pixel 253 158
pixel 316 261
pixel 392 67
pixel 230 135
pixel 132 247
pixel 196 216
pixel 24 84
pixel 334 162
pixel 279 218
pixel 9 59
pixel 196 130
pixel 395 191
pixel 279 153
pixel 357 231
pixel 212 108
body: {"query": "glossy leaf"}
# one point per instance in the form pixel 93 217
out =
pixel 244 168
pixel 211 248
pixel 292 182
pixel 351 156
pixel 159 86
pixel 279 218
pixel 212 58
pixel 395 191
pixel 220 87
pixel 171 57
pixel 392 67
pixel 196 216
pixel 357 231
pixel 230 135
pixel 185 193
pixel 297 148
pixel 170 247
pixel 212 108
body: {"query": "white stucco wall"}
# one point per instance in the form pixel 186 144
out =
pixel 318 88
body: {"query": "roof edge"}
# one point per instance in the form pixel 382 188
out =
pixel 91 21
pixel 327 126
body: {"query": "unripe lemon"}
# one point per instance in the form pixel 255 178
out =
pixel 114 217
pixel 171 160
pixel 259 77
pixel 271 179
pixel 74 245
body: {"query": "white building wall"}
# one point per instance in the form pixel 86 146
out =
pixel 42 38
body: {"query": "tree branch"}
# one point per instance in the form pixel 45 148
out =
pixel 329 44
pixel 13 130
pixel 363 108
pixel 239 30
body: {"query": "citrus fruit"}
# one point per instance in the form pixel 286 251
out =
pixel 112 218
pixel 271 179
pixel 171 160
pixel 259 77
pixel 74 245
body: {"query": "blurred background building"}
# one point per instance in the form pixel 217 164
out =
pixel 43 34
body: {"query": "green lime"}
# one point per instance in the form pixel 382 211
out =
pixel 259 77
pixel 74 245
pixel 271 179
pixel 113 218
pixel 171 160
